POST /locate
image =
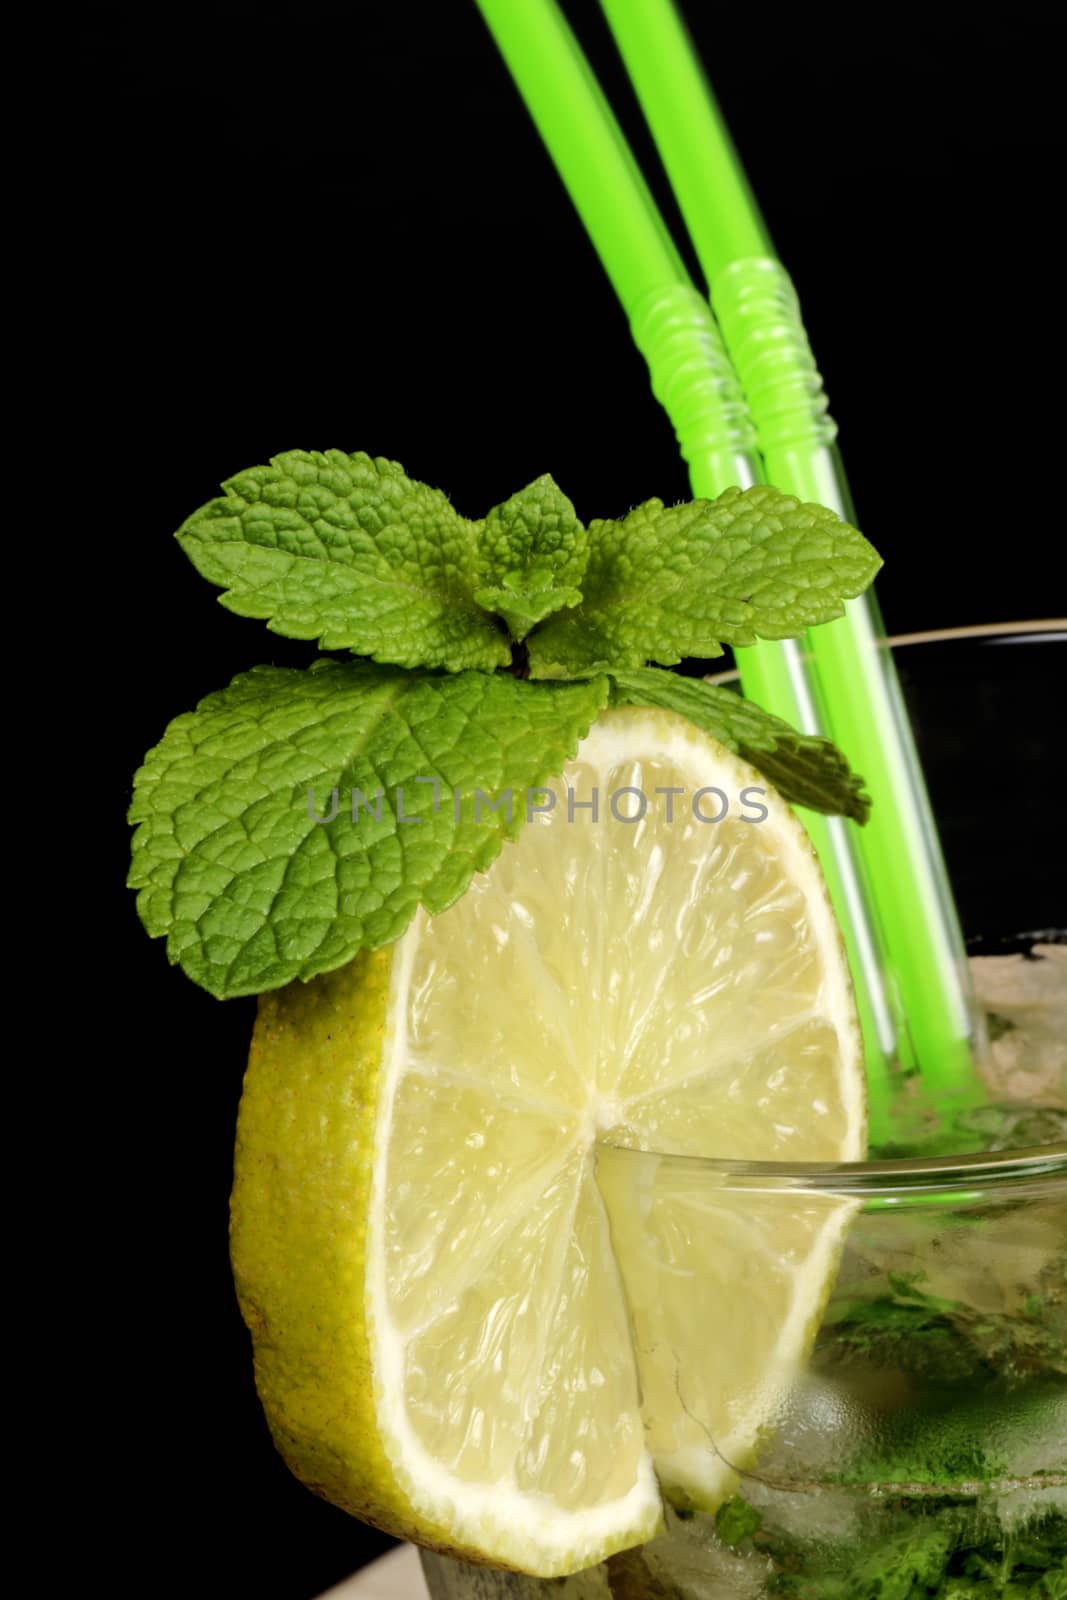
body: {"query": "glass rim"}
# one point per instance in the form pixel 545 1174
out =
pixel 1028 1171
pixel 1051 627
pixel 1037 1169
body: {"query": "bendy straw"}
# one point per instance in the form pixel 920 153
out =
pixel 690 374
pixel 674 328
pixel 853 679
pixel 671 325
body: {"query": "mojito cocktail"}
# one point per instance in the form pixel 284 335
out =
pixel 919 1448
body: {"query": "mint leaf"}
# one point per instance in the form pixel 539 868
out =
pixel 348 550
pixel 956 1551
pixel 736 1520
pixel 522 609
pixel 251 892
pixel 806 770
pixel 532 558
pixel 674 581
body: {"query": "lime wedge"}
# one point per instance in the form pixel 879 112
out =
pixel 477 1322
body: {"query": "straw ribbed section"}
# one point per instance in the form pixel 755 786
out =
pixel 693 380
pixel 759 313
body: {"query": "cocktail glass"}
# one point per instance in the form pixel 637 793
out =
pixel 921 1448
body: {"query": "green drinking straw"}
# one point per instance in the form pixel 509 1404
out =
pixel 694 381
pixel 690 373
pixel 676 331
pixel 850 671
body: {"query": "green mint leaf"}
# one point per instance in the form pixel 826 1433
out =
pixel 806 770
pixel 675 581
pixel 251 891
pixel 736 1520
pixel 532 557
pixel 348 550
pixel 523 609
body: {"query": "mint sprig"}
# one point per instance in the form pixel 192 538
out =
pixel 350 551
pixel 273 834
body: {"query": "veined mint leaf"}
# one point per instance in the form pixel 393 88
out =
pixel 251 891
pixel 532 557
pixel 348 550
pixel 522 609
pixel 806 770
pixel 535 533
pixel 675 581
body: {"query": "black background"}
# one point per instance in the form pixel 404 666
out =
pixel 333 225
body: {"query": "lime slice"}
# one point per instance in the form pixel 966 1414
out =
pixel 455 1336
